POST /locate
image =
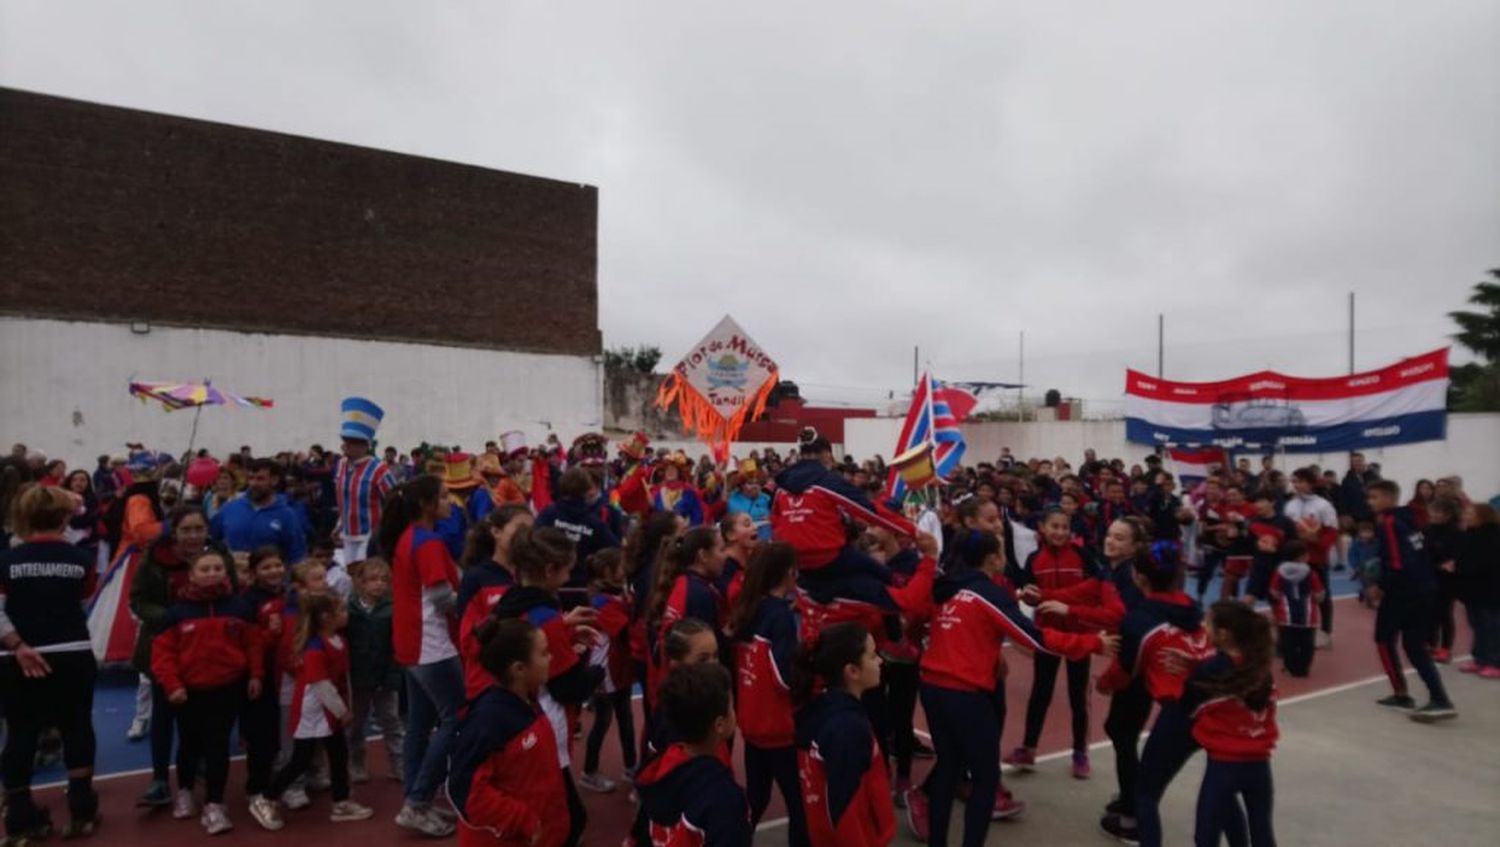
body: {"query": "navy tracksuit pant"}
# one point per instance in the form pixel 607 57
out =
pixel 767 765
pixel 1408 618
pixel 1167 749
pixel 1224 784
pixel 1128 712
pixel 966 737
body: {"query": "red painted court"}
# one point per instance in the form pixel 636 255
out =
pixel 1351 659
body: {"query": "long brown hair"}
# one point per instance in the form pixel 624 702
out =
pixel 645 544
pixel 767 568
pixel 1255 639
pixel 535 551
pixel 313 610
pixel 480 545
pixel 674 563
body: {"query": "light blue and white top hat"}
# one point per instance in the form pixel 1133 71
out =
pixel 361 419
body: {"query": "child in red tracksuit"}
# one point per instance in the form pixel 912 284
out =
pixel 765 628
pixel 208 656
pixel 842 771
pixel 1058 565
pixel 685 588
pixel 611 653
pixel 1236 725
pixel 487 576
pixel 260 717
pixel 504 778
pixel 320 710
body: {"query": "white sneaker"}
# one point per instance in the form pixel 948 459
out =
pixel 183 806
pixel 422 820
pixel 215 819
pixel 596 783
pixel 348 810
pixel 138 729
pixel 295 798
pixel 266 812
pixel 1323 640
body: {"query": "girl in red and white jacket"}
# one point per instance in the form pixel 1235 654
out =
pixel 847 789
pixel 1236 725
pixel 684 589
pixel 208 654
pixel 766 631
pixel 320 710
pixel 488 575
pixel 504 779
pixel 610 599
pixel 1058 565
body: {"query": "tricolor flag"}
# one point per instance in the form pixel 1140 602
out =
pixel 1194 464
pixel 1399 404
pixel 936 411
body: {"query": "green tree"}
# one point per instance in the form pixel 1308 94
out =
pixel 1475 387
pixel 642 360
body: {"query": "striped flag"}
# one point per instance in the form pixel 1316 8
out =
pixel 936 411
pixel 1194 464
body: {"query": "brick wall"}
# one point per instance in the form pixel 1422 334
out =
pixel 117 214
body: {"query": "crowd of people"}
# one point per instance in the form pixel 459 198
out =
pixel 473 609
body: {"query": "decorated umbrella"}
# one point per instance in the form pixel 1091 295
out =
pixel 195 395
pixel 720 384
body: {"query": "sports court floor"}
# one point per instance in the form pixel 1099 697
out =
pixel 1347 772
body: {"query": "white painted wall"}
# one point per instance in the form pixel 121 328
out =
pixel 1472 449
pixel 64 389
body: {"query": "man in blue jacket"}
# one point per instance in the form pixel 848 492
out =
pixel 260 516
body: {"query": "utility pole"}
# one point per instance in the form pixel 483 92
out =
pixel 1351 332
pixel 1021 387
pixel 1161 345
pixel 916 352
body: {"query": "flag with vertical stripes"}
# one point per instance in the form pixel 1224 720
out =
pixel 936 411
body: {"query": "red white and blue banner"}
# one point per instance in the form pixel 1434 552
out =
pixel 1194 465
pixel 1400 404
pixel 936 411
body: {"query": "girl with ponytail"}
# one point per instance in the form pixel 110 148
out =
pixel 765 629
pixel 488 574
pixel 847 792
pixel 644 548
pixel 684 589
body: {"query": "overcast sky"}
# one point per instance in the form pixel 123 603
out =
pixel 851 179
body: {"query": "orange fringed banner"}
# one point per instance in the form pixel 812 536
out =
pixel 724 381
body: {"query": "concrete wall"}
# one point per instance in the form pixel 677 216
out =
pixel 1472 449
pixel 64 385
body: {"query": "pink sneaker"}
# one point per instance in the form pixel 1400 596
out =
pixel 1468 666
pixel 1081 769
pixel 1006 806
pixel 1489 672
pixel 916 814
pixel 1022 757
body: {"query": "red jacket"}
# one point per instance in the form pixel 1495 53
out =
pixel 973 619
pixel 208 643
pixel 763 657
pixel 809 509
pixel 1230 730
pixel 480 606
pixel 504 778
pixel 846 791
pixel 613 623
pixel 1057 569
pixel 1161 622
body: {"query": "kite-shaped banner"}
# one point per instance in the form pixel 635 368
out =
pixel 720 384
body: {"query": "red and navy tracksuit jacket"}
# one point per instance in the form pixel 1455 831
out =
pixel 846 792
pixel 503 778
pixel 1056 569
pixel 860 598
pixel 1404 567
pixel 1233 729
pixel 570 680
pixel 763 657
pixel 210 640
pixel 973 618
pixel 485 583
pixel 809 509
pixel 1101 602
pixel 1161 622
pixel 1296 590
pixel 731 581
pixel 693 801
pixel 269 605
pixel 693 595
pixel 1262 563
pixel 613 623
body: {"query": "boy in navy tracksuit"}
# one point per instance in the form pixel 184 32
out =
pixel 1405 591
pixel 587 520
pixel 688 792
pixel 1268 530
pixel 1295 592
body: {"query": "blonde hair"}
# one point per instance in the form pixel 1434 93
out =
pixel 369 567
pixel 42 508
pixel 302 569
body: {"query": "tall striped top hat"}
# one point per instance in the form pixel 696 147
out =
pixel 360 419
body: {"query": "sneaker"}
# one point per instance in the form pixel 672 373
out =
pixel 1442 655
pixel 1323 640
pixel 1006 806
pixel 215 819
pixel 630 773
pixel 1023 758
pixel 921 750
pixel 1489 672
pixel 445 813
pixel 359 774
pixel 39 829
pixel 916 814
pixel 183 806
pixel 295 798
pixel 156 796
pixel 1397 701
pixel 1469 666
pixel 266 812
pixel 596 783
pixel 1434 712
pixel 82 828
pixel 423 821
pixel 1081 769
pixel 138 729
pixel 1121 827
pixel 345 811
pixel 1114 807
